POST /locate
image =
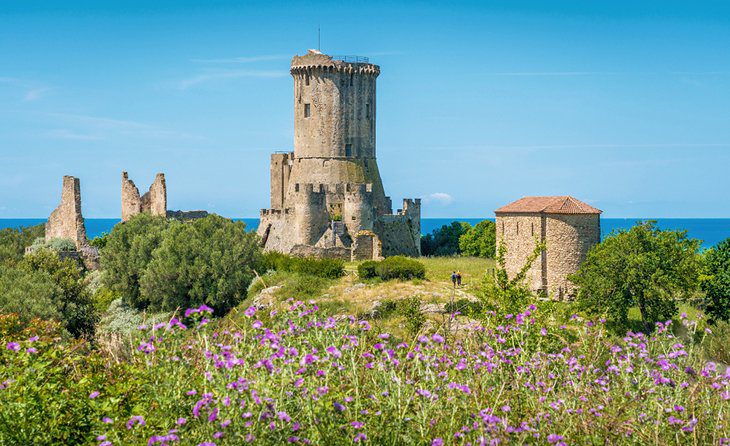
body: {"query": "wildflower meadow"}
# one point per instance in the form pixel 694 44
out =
pixel 297 376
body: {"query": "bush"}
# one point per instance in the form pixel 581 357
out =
pixel 127 253
pixel 716 282
pixel 401 268
pixel 13 242
pixel 410 309
pixel 480 241
pixel 208 261
pixel 46 287
pixel 367 269
pixel 54 244
pixel 445 240
pixel 325 268
pixel 74 304
pixel 99 241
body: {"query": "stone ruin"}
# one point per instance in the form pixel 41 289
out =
pixel 327 197
pixel 153 201
pixel 66 220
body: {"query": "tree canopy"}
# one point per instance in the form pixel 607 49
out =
pixel 716 283
pixel 445 240
pixel 480 240
pixel 643 267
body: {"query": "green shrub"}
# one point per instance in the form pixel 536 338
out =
pixel 401 268
pixel 410 309
pixel 13 242
pixel 99 241
pixel 127 253
pixel 716 281
pixel 208 261
pixel 325 268
pixel 367 269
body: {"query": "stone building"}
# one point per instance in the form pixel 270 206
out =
pixel 327 197
pixel 567 226
pixel 66 220
pixel 153 201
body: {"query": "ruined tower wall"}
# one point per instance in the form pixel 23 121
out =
pixel 569 237
pixel 400 234
pixel 131 201
pixel 66 220
pixel 280 169
pixel 153 201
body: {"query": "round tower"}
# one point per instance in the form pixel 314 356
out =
pixel 311 217
pixel 334 106
pixel 357 212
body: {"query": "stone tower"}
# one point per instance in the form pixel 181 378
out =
pixel 567 226
pixel 329 188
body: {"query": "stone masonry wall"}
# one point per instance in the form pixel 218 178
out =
pixel 153 201
pixel 519 233
pixel 66 220
pixel 569 237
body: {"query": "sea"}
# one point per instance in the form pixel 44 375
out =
pixel 709 230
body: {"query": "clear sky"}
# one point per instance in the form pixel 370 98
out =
pixel 622 103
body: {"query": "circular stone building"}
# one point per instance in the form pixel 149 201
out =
pixel 567 226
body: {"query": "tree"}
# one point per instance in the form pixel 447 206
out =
pixel 644 267
pixel 716 283
pixel 209 261
pixel 14 241
pixel 127 253
pixel 444 241
pixel 479 241
pixel 74 303
pixel 29 294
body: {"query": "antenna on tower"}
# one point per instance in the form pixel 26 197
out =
pixel 319 39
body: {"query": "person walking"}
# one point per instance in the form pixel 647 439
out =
pixel 453 278
pixel 458 279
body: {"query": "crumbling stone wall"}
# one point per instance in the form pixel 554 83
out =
pixel 153 201
pixel 66 220
pixel 366 245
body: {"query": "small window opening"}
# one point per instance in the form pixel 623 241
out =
pixel 352 78
pixel 367 111
pixel 353 217
pixel 306 79
pixel 518 228
pixel 307 110
pixel 532 229
pixel 348 149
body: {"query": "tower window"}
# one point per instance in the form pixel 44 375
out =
pixel 352 77
pixel 307 110
pixel 306 79
pixel 348 149
pixel 367 111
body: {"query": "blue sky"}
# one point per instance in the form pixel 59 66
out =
pixel 624 103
